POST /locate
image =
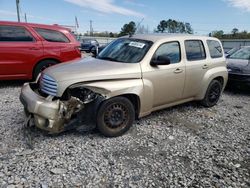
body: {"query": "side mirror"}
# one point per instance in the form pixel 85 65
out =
pixel 161 60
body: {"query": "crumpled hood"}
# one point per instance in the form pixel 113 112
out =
pixel 92 69
pixel 238 65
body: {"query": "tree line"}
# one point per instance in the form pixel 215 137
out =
pixel 235 34
pixel 165 26
pixel 172 26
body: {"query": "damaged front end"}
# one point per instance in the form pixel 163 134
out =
pixel 76 107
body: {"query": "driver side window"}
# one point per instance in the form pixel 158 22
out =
pixel 171 50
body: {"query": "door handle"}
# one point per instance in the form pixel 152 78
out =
pixel 178 70
pixel 205 66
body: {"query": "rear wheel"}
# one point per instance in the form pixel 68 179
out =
pixel 42 66
pixel 115 116
pixel 213 94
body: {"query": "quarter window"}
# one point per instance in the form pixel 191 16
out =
pixel 195 50
pixel 52 35
pixel 170 50
pixel 214 48
pixel 15 34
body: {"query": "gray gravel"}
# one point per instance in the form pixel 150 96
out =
pixel 183 146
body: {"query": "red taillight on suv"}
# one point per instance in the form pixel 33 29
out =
pixel 77 48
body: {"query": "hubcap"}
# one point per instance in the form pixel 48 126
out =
pixel 116 116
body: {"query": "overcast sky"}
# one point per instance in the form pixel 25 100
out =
pixel 110 15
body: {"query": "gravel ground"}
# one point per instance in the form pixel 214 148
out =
pixel 183 146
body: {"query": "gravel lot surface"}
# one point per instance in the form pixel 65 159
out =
pixel 183 146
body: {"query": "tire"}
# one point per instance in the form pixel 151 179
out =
pixel 212 94
pixel 42 65
pixel 115 116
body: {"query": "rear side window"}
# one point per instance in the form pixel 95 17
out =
pixel 214 48
pixel 15 34
pixel 52 35
pixel 170 50
pixel 195 50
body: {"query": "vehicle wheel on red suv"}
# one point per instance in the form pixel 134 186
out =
pixel 213 94
pixel 42 65
pixel 115 116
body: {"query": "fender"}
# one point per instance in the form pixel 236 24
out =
pixel 209 76
pixel 112 88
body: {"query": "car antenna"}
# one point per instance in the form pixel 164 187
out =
pixel 138 25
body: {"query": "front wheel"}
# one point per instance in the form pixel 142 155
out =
pixel 213 94
pixel 115 116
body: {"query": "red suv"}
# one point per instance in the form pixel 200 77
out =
pixel 27 49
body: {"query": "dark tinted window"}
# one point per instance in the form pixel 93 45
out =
pixel 170 50
pixel 14 34
pixel 214 48
pixel 52 35
pixel 195 50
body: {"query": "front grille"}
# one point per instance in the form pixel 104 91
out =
pixel 48 85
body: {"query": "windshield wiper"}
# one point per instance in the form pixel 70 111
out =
pixel 107 58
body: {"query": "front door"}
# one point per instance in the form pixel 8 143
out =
pixel 167 80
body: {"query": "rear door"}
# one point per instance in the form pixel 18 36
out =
pixel 196 67
pixel 19 49
pixel 57 44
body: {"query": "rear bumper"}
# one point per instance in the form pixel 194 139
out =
pixel 88 47
pixel 46 113
pixel 85 48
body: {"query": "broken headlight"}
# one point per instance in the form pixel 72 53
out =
pixel 84 94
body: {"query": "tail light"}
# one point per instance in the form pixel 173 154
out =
pixel 78 49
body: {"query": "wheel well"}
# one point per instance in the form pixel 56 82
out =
pixel 135 100
pixel 220 79
pixel 34 68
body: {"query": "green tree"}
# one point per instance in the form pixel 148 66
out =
pixel 218 34
pixel 162 26
pixel 128 29
pixel 235 31
pixel 173 26
pixel 111 34
pixel 234 34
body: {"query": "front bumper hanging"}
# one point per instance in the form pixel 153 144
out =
pixel 49 115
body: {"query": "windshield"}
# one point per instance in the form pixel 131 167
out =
pixel 231 51
pixel 126 50
pixel 86 40
pixel 243 53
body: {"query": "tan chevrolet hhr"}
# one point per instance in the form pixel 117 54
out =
pixel 129 79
